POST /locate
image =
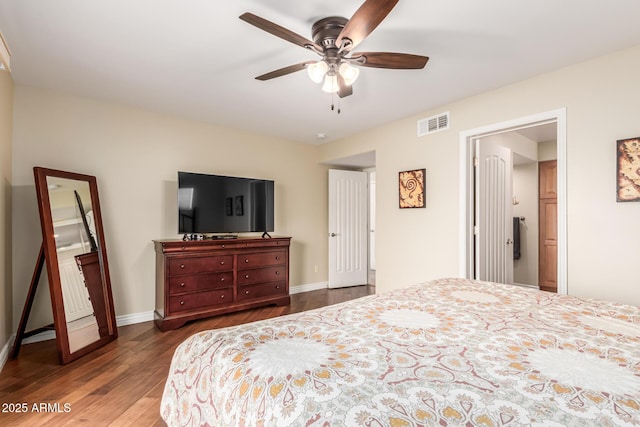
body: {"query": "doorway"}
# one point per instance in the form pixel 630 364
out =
pixel 348 225
pixel 356 239
pixel 469 252
pixel 516 207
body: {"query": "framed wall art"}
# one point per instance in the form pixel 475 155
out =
pixel 628 170
pixel 411 189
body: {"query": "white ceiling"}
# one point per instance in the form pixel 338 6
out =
pixel 540 133
pixel 196 59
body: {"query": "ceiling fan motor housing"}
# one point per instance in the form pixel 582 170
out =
pixel 325 31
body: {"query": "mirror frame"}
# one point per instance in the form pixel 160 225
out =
pixel 53 270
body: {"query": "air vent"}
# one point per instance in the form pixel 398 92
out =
pixel 433 124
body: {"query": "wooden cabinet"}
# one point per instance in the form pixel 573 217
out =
pixel 203 278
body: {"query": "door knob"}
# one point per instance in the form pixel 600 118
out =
pixel 509 241
pixel 332 234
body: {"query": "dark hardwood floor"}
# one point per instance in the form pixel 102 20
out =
pixel 120 384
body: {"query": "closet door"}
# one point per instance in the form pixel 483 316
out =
pixel 494 212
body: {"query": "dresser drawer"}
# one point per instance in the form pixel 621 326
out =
pixel 260 275
pixel 191 265
pixel 262 259
pixel 261 290
pixel 200 300
pixel 201 282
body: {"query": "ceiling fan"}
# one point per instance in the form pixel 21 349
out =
pixel 334 38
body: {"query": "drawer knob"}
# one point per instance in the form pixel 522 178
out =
pixel 246 276
pixel 222 296
pixel 182 248
pixel 221 262
pixel 246 292
pixel 181 302
pixel 182 285
pixel 246 261
pixel 222 279
pixel 277 286
pixel 181 265
pixel 277 258
pixel 277 273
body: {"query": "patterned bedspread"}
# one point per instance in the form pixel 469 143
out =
pixel 450 352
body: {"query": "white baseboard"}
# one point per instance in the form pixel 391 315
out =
pixel 131 319
pixel 527 286
pixel 4 354
pixel 307 287
pixel 42 336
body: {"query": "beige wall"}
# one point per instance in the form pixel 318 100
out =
pixel 135 156
pixel 6 306
pixel 600 97
pixel 525 190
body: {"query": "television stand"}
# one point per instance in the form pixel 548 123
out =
pixel 196 279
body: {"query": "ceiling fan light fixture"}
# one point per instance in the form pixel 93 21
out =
pixel 334 38
pixel 348 73
pixel 317 71
pixel 330 83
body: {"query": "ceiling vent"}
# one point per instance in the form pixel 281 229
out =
pixel 433 124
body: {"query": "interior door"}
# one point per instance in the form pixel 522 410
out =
pixel 372 220
pixel 548 229
pixel 494 218
pixel 347 228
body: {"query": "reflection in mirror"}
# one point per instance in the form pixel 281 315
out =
pixel 73 248
pixel 75 237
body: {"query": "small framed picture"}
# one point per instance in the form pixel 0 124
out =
pixel 411 189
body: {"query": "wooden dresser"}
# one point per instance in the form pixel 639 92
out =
pixel 203 278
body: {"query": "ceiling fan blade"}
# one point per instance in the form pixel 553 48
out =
pixel 403 61
pixel 363 22
pixel 284 71
pixel 279 31
pixel 343 88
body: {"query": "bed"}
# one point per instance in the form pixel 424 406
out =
pixel 447 352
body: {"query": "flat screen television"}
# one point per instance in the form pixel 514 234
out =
pixel 224 204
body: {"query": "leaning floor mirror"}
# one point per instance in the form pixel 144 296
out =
pixel 74 251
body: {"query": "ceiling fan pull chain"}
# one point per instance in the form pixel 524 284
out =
pixel 333 103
